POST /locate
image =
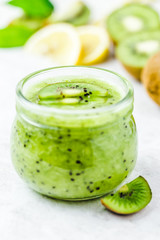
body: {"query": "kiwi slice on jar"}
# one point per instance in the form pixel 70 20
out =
pixel 130 19
pixel 134 51
pixel 65 90
pixel 72 93
pixel 130 198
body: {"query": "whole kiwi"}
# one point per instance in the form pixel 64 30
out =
pixel 151 77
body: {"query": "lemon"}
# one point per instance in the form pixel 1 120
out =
pixel 60 42
pixel 95 43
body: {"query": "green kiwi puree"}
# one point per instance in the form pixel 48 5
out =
pixel 67 154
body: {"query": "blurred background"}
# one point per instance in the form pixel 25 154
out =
pixel 19 58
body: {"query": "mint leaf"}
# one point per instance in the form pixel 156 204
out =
pixel 34 8
pixel 13 36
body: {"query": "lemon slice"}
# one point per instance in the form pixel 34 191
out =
pixel 95 43
pixel 59 42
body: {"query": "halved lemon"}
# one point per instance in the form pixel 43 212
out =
pixel 59 42
pixel 95 43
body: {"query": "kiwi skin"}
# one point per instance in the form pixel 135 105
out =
pixel 151 77
pixel 135 72
pixel 125 189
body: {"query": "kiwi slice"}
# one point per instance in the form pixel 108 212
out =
pixel 130 198
pixel 72 101
pixel 77 14
pixel 72 93
pixel 134 51
pixel 82 18
pixel 130 19
pixel 67 101
pixel 68 90
pixel 30 23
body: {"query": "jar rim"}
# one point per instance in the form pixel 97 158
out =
pixel 109 108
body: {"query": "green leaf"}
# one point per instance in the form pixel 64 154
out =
pixel 34 8
pixel 13 36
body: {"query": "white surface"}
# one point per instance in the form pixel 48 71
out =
pixel 26 215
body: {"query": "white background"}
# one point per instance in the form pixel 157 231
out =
pixel 26 215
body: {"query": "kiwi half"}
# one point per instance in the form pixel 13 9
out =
pixel 130 19
pixel 130 198
pixel 134 51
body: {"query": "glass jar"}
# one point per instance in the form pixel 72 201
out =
pixel 74 154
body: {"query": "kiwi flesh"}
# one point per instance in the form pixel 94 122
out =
pixel 130 198
pixel 130 19
pixel 151 77
pixel 134 51
pixel 30 23
pixel 61 90
pixel 77 14
pixel 82 18
pixel 72 93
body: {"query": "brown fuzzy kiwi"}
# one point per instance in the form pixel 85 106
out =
pixel 151 77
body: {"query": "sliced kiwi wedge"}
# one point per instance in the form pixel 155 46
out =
pixel 82 18
pixel 134 51
pixel 30 23
pixel 130 198
pixel 64 93
pixel 77 14
pixel 130 19
pixel 73 101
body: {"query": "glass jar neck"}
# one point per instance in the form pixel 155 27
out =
pixel 53 117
